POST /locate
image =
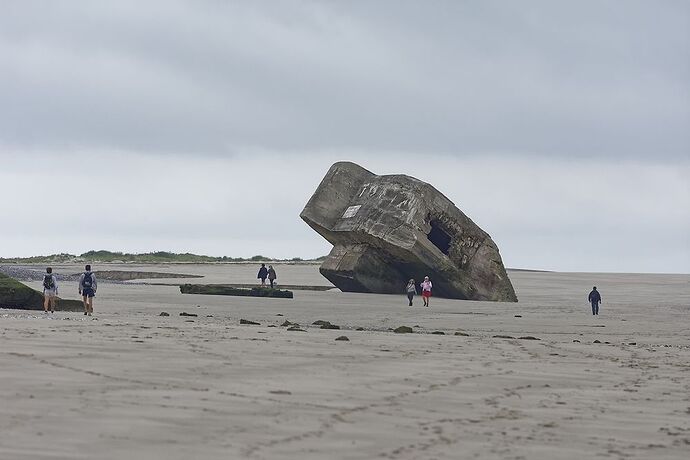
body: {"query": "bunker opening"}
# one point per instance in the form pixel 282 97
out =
pixel 439 237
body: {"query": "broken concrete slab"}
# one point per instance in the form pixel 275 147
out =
pixel 14 294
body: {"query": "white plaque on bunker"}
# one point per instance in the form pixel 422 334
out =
pixel 351 211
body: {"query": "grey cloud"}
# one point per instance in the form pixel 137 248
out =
pixel 204 126
pixel 539 78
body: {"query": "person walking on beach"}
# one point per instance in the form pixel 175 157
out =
pixel 50 291
pixel 594 298
pixel 411 290
pixel 271 275
pixel 263 273
pixel 426 290
pixel 87 289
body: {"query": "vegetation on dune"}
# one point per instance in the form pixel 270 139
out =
pixel 148 257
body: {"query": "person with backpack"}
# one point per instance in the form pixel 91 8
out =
pixel 411 290
pixel 426 290
pixel 87 289
pixel 594 298
pixel 50 290
pixel 263 273
pixel 271 275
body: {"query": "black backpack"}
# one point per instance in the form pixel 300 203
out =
pixel 48 282
pixel 88 281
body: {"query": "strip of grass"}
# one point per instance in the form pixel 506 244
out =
pixel 144 258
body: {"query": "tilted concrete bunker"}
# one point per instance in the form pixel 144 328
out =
pixel 388 229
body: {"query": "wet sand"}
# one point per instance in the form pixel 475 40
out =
pixel 128 383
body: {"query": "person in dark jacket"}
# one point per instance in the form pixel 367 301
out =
pixel 263 273
pixel 594 298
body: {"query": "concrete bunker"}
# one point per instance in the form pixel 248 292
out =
pixel 387 229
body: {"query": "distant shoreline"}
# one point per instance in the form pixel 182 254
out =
pixel 121 262
pixel 104 257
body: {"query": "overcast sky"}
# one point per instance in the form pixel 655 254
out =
pixel 561 128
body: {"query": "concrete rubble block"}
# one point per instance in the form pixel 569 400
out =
pixel 388 229
pixel 14 294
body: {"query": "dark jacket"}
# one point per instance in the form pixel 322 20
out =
pixel 271 274
pixel 594 297
pixel 263 273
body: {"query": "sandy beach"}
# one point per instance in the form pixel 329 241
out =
pixel 128 383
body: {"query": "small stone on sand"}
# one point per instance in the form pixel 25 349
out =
pixel 403 330
pixel 343 338
pixel 280 392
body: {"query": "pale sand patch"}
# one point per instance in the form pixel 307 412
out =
pixel 135 385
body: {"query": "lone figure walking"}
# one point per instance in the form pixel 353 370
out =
pixel 594 298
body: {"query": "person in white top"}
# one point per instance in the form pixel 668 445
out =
pixel 426 290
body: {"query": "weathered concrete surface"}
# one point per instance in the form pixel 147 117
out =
pixel 388 229
pixel 224 289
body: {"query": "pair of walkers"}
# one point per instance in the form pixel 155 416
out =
pixel 87 289
pixel 426 290
pixel 269 273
